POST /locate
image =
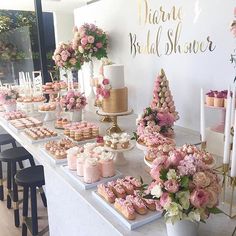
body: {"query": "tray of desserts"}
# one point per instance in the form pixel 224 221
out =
pixel 80 179
pixel 59 124
pixel 14 115
pixel 118 142
pixel 90 165
pixel 122 198
pixel 19 125
pixel 47 107
pixel 30 99
pixel 56 150
pixel 81 131
pixel 39 134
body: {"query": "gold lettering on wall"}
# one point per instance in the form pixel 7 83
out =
pixel 164 41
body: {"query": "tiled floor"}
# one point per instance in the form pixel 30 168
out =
pixel 7 227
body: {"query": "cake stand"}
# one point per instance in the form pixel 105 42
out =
pixel 119 154
pixel 49 115
pixel 115 127
pixel 221 126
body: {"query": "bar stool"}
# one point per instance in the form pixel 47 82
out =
pixel 4 140
pixel 31 178
pixel 11 157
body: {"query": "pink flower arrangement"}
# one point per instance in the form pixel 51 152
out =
pixel 8 96
pixel 90 41
pixel 185 188
pixel 154 121
pixel 103 90
pixel 73 101
pixel 66 57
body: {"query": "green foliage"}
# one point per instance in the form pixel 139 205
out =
pixel 184 182
pixel 163 174
pixel 214 210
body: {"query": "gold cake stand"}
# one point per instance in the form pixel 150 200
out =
pixel 113 116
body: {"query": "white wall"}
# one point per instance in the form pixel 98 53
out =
pixel 187 73
pixel 63 25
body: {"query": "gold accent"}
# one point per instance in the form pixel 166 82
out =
pixel 117 102
pixel 114 128
pixel 106 119
pixel 203 145
pixel 1 182
pixel 15 205
pixel 225 169
pixel 162 73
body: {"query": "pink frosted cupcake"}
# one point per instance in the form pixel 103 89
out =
pixel 92 171
pixel 210 98
pixel 80 163
pixel 219 100
pixel 72 157
pixel 107 164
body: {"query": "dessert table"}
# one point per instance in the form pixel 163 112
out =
pixel 74 211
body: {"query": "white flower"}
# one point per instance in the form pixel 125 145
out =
pixel 81 50
pixel 171 174
pixel 156 191
pixel 184 197
pixel 194 215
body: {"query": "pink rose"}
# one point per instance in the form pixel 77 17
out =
pixel 64 57
pixel 99 45
pixel 199 198
pixel 213 198
pixel 165 200
pixel 90 39
pixel 69 106
pixel 73 61
pixel 72 100
pixel 106 93
pixel 171 186
pixel 175 157
pixel 57 57
pixel 201 180
pixel 155 172
pixel 105 81
pixel 84 41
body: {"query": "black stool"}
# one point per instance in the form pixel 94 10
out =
pixel 4 140
pixel 31 178
pixel 11 157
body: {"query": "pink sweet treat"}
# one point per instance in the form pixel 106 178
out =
pixel 92 171
pixel 72 158
pixel 80 164
pixel 107 165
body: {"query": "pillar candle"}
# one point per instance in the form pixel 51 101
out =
pixel 227 130
pixel 202 115
pixel 233 157
pixel 233 107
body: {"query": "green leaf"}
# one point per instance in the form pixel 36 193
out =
pixel 214 210
pixel 184 182
pixel 141 180
pixel 135 136
pixel 148 110
pixel 163 174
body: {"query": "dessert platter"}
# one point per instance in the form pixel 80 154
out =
pixel 90 165
pixel 30 103
pixel 56 151
pixel 118 144
pixel 14 115
pixel 123 198
pixel 18 125
pixel 39 134
pixel 81 131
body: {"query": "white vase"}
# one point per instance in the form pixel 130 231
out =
pixel 182 228
pixel 76 116
pixel 11 107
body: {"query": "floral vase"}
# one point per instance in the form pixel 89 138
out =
pixel 76 116
pixel 9 107
pixel 182 228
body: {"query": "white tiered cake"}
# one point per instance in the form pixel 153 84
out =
pixel 118 99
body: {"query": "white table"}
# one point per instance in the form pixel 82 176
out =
pixel 73 211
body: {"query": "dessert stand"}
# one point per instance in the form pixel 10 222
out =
pixel 49 115
pixel 221 126
pixel 115 127
pixel 119 154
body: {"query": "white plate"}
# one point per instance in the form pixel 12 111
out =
pixel 92 140
pixel 52 158
pixel 81 182
pixel 28 139
pixel 130 224
pixel 13 128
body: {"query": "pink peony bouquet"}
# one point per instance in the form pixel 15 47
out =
pixel 184 186
pixel 154 121
pixel 90 41
pixel 73 101
pixel 8 96
pixel 66 57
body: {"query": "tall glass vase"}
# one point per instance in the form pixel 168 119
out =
pixel 72 77
pixel 92 96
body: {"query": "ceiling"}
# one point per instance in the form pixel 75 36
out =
pixel 47 5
